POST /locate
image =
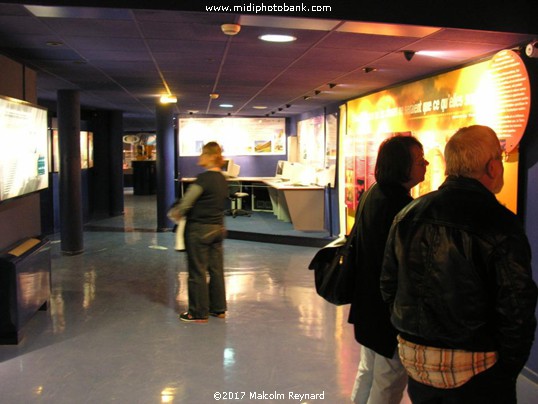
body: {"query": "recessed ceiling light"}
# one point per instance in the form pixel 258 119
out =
pixel 259 107
pixel 226 106
pixel 277 38
pixel 168 99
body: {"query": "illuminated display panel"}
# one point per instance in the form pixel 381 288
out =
pixel 23 136
pixel 86 150
pixel 494 93
pixel 237 136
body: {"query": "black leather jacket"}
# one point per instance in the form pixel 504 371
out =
pixel 457 274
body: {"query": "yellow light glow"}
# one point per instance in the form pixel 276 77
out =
pixel 168 99
pixel 168 394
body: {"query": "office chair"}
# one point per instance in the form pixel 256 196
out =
pixel 235 195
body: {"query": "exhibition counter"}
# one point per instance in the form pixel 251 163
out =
pixel 303 206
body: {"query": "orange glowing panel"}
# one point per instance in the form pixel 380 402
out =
pixel 512 95
pixel 494 93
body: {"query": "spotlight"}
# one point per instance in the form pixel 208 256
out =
pixel 317 92
pixel 369 69
pixel 306 97
pixel 332 85
pixel 408 54
pixel 531 50
pixel 288 105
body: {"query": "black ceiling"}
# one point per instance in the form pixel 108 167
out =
pixel 124 58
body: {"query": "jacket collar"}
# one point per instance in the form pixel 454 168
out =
pixel 465 183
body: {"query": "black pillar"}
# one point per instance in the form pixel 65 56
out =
pixel 70 181
pixel 165 164
pixel 116 163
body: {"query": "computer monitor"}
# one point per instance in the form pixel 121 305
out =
pixel 287 170
pixel 229 168
pixel 279 168
pixel 226 165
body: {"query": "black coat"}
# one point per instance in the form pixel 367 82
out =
pixel 369 313
pixel 457 274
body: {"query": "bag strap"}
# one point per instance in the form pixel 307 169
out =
pixel 360 208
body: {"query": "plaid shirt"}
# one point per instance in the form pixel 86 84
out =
pixel 440 367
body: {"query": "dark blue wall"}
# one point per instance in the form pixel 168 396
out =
pixel 531 221
pixel 528 192
pixel 251 166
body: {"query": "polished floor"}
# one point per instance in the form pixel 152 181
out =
pixel 112 334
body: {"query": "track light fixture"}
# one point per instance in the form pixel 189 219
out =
pixel 288 105
pixel 369 69
pixel 317 92
pixel 408 54
pixel 332 85
pixel 306 97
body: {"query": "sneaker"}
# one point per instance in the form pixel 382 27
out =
pixel 188 318
pixel 218 314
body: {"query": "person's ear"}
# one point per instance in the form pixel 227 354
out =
pixel 492 168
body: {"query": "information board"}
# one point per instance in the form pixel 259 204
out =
pixel 23 136
pixel 237 136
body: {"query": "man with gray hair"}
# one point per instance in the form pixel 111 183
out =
pixel 457 278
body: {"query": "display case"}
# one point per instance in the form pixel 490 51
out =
pixel 24 286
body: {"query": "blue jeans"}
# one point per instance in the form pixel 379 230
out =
pixel 492 386
pixel 203 243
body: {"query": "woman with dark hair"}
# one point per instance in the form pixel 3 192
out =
pixel 381 378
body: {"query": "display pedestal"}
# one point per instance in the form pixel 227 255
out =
pixel 144 177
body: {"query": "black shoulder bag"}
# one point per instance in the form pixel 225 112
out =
pixel 333 265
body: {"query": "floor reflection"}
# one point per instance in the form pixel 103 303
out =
pixel 112 333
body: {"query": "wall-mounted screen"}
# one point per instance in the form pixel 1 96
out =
pixel 23 136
